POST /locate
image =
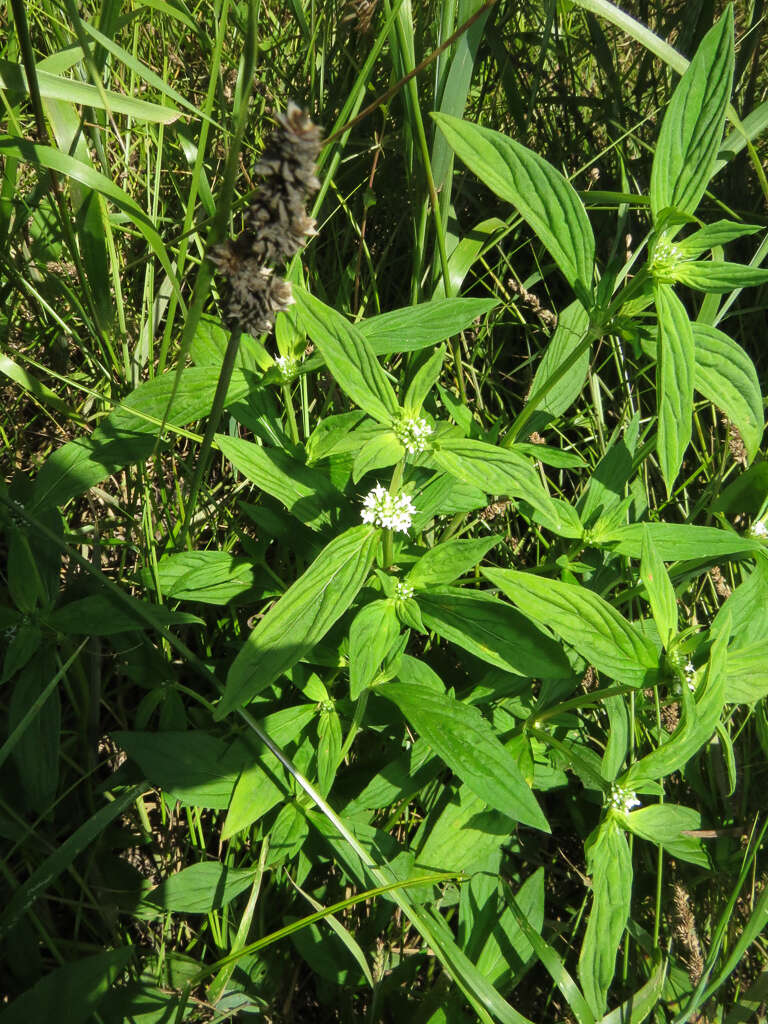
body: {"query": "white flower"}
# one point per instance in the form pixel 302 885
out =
pixel 392 511
pixel 402 591
pixel 287 366
pixel 758 529
pixel 622 800
pixel 413 434
pixel 690 674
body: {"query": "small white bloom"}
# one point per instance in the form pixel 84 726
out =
pixel 402 591
pixel 392 511
pixel 622 800
pixel 413 434
pixel 758 529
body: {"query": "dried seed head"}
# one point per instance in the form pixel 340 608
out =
pixel 276 224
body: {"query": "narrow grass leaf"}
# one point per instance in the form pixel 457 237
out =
pixel 693 124
pixel 675 368
pixel 467 743
pixel 640 1004
pixel 553 964
pixel 609 864
pixel 584 619
pixel 301 617
pixel 541 194
pixel 62 857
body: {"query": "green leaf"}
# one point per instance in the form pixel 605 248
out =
pixel 211 577
pixel 617 744
pixel 675 366
pixel 104 614
pixel 378 452
pixel 541 194
pixel 584 619
pixel 697 723
pixel 447 561
pixel 197 889
pixel 461 832
pixel 491 630
pixel 661 594
pixel 678 541
pixel 501 471
pixel 664 825
pixel 609 863
pixel 693 124
pixel 467 743
pixel 348 356
pixel 643 1002
pixel 305 492
pixel 371 635
pixel 301 617
pixel 726 376
pixel 505 935
pixel 718 277
pixel 263 782
pixel 552 395
pixel 719 233
pixel 747 680
pixel 422 383
pixel 192 767
pixel 416 327
pixel 70 993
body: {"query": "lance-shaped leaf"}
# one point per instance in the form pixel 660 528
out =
pixel 726 376
pixel 675 366
pixel 503 471
pixel 540 193
pixel 677 542
pixel 348 356
pixel 304 491
pixel 301 617
pixel 491 630
pixel 609 863
pixel 371 635
pixel 665 825
pixel 658 587
pixel 584 619
pixel 697 722
pixel 693 124
pixel 198 889
pixel 460 735
pixel 719 277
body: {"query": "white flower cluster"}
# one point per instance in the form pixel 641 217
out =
pixel 666 256
pixel 622 800
pixel 287 366
pixel 402 591
pixel 758 529
pixel 392 511
pixel 413 434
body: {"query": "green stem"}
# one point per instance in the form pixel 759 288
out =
pixel 292 424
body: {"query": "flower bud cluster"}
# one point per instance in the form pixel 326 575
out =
pixel 412 434
pixel 276 225
pixel 622 800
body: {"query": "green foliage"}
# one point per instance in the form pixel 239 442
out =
pixel 409 663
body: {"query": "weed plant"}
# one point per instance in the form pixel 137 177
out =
pixel 385 512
